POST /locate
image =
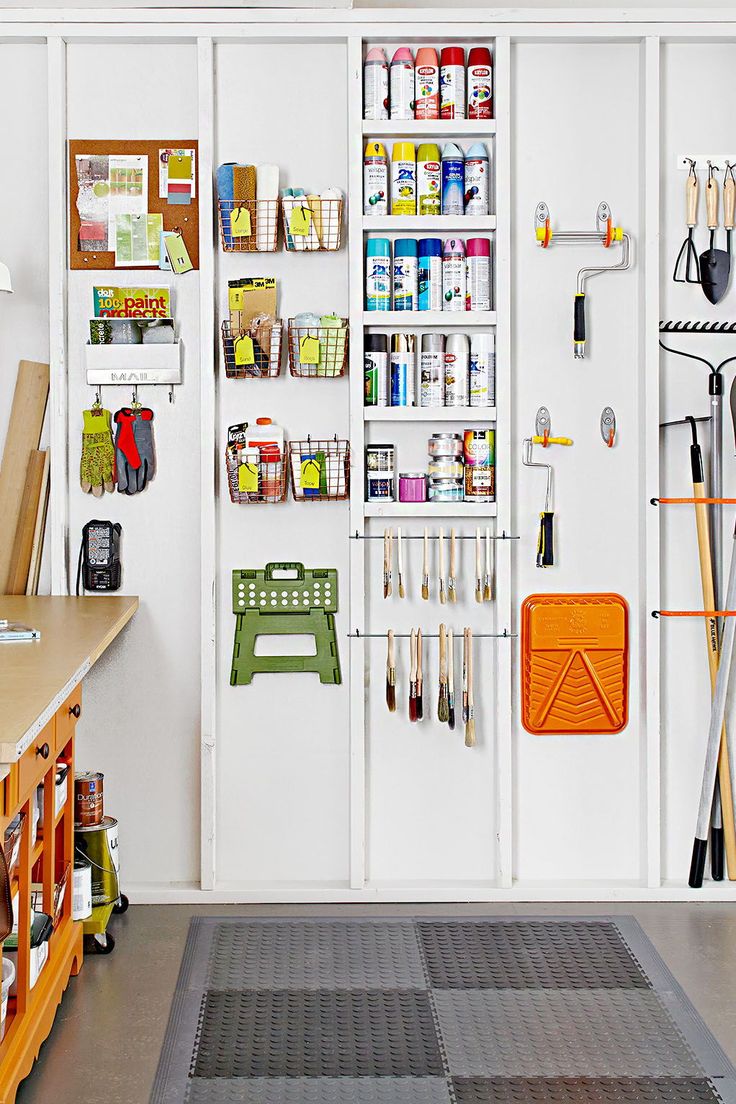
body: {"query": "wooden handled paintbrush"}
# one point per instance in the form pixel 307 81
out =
pixel 478 567
pixel 386 564
pixel 443 711
pixel 420 679
pixel 465 677
pixel 425 567
pixel 450 680
pixel 391 673
pixel 413 676
pixel 487 589
pixel 451 579
pixel 441 566
pixel 470 725
pixel 400 564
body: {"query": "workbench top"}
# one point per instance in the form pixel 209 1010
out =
pixel 36 676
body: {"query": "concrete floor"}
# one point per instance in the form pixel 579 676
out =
pixel 110 1027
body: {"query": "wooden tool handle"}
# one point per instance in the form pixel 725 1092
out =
pixel 419 660
pixel 729 202
pixel 450 657
pixel 390 657
pixel 691 199
pixel 711 203
pixel 470 726
pixel 443 654
pixel 452 553
pixel 413 656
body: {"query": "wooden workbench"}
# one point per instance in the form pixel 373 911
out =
pixel 41 695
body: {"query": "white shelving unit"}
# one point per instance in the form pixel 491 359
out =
pixel 412 320
pixel 430 510
pixel 429 224
pixel 430 413
pixel 429 128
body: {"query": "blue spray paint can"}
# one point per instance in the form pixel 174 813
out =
pixel 430 274
pixel 405 274
pixel 453 180
pixel 378 274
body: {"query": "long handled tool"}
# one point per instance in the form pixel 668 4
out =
pixel 413 676
pixel 420 680
pixel 452 579
pixel 470 723
pixel 425 567
pixel 450 679
pixel 465 677
pixel 390 673
pixel 688 253
pixel 387 563
pixel 715 264
pixel 717 715
pixel 443 711
pixel 487 588
pixel 546 540
pixel 441 565
pixel 478 567
pixel 400 564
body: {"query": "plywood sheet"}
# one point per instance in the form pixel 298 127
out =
pixel 20 560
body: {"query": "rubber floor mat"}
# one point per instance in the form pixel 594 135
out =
pixel 433 1011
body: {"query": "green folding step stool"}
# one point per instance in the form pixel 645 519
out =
pixel 290 600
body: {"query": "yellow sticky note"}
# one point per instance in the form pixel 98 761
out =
pixel 235 298
pixel 177 251
pixel 248 478
pixel 180 168
pixel 309 350
pixel 240 222
pixel 244 350
pixel 299 221
pixel 311 470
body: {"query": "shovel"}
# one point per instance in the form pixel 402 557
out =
pixel 715 264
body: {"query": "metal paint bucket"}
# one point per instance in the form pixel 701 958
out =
pixel 82 890
pixel 98 846
pixel 88 810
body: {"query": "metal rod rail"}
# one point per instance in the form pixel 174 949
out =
pixel 358 635
pixel 432 536
pixel 693 613
pixel 682 501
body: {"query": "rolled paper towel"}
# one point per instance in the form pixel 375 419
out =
pixel 267 188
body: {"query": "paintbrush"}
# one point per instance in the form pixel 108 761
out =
pixel 465 676
pixel 450 680
pixel 420 680
pixel 451 581
pixel 478 567
pixel 441 566
pixel 391 674
pixel 400 564
pixel 487 592
pixel 443 712
pixel 386 565
pixel 470 724
pixel 413 676
pixel 425 567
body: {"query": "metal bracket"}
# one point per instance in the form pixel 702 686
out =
pixel 608 425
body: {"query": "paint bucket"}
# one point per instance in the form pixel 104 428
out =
pixel 98 846
pixel 88 810
pixel 82 891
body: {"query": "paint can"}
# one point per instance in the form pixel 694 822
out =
pixel 98 846
pixel 375 367
pixel 405 274
pixel 431 370
pixel 88 798
pixel 375 179
pixel 82 890
pixel 403 369
pixel 479 448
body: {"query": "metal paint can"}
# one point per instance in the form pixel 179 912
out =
pixel 98 846
pixel 88 799
pixel 82 890
pixel 479 447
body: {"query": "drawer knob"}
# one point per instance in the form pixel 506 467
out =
pixel 43 750
pixel 75 710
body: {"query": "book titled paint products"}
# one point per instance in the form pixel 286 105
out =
pixel 132 302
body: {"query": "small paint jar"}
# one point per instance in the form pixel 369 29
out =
pixel 445 490
pixel 379 473
pixel 445 445
pixel 412 487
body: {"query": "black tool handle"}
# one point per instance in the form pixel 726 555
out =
pixel 579 324
pixel 716 854
pixel 697 864
pixel 545 546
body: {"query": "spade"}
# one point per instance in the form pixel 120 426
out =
pixel 715 264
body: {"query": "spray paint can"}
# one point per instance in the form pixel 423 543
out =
pixel 403 369
pixel 375 369
pixel 477 174
pixel 401 80
pixel 432 370
pixel 375 85
pixel 480 83
pixel 483 369
pixel 430 274
pixel 453 180
pixel 377 274
pixel 375 180
pixel 453 275
pixel 478 289
pixel 405 275
pixel 452 83
pixel 429 179
pixel 403 179
pixel 479 454
pixel 456 369
pixel 427 84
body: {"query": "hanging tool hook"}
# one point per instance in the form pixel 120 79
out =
pixel 689 161
pixel 712 169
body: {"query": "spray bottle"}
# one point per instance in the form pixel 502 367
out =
pixel 480 83
pixel 375 85
pixel 375 180
pixel 453 275
pixel 427 84
pixel 453 180
pixel 429 179
pixel 402 84
pixel 476 180
pixel 452 83
pixel 403 179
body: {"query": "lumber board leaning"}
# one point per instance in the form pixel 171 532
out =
pixel 20 559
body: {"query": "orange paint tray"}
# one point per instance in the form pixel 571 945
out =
pixel 575 663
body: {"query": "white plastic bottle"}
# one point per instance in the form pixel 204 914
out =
pixel 375 85
pixel 457 361
pixel 483 369
pixel 375 180
pixel 401 79
pixel 453 275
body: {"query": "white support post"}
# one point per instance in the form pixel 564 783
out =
pixel 208 444
pixel 58 394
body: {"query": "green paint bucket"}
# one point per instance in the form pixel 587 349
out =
pixel 98 846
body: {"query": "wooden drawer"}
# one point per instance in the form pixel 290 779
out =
pixel 32 765
pixel 67 716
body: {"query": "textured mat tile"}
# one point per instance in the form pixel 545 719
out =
pixel 578 954
pixel 320 1090
pixel 316 955
pixel 584 1090
pixel 560 1033
pixel 317 1033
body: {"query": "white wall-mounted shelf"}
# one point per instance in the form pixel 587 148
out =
pixel 430 413
pixel 429 128
pixel 430 509
pixel 452 320
pixel 114 365
pixel 459 224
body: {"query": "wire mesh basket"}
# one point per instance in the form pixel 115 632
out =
pixel 320 470
pixel 318 352
pixel 251 480
pixel 267 341
pixel 249 225
pixel 312 224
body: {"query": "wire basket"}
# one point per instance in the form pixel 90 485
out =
pixel 326 360
pixel 249 225
pixel 265 480
pixel 312 224
pixel 267 341
pixel 320 470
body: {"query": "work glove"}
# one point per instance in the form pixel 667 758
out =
pixel 127 457
pixel 97 466
pixel 143 437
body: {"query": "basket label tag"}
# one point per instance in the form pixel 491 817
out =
pixel 248 478
pixel 300 220
pixel 244 350
pixel 240 222
pixel 309 350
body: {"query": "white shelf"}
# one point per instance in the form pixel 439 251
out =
pixel 459 224
pixel 430 413
pixel 429 127
pixel 451 320
pixel 430 509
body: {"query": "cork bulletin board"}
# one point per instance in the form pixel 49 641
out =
pixel 179 208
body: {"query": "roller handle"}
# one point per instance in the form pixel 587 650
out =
pixel 545 547
pixel 579 323
pixel 711 203
pixel 697 864
pixel 716 854
pixel 691 200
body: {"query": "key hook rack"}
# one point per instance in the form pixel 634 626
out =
pixel 605 234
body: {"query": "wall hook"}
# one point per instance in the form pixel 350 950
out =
pixel 608 425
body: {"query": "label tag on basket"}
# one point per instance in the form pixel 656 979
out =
pixel 300 220
pixel 248 478
pixel 244 350
pixel 177 251
pixel 236 298
pixel 240 222
pixel 309 350
pixel 311 471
